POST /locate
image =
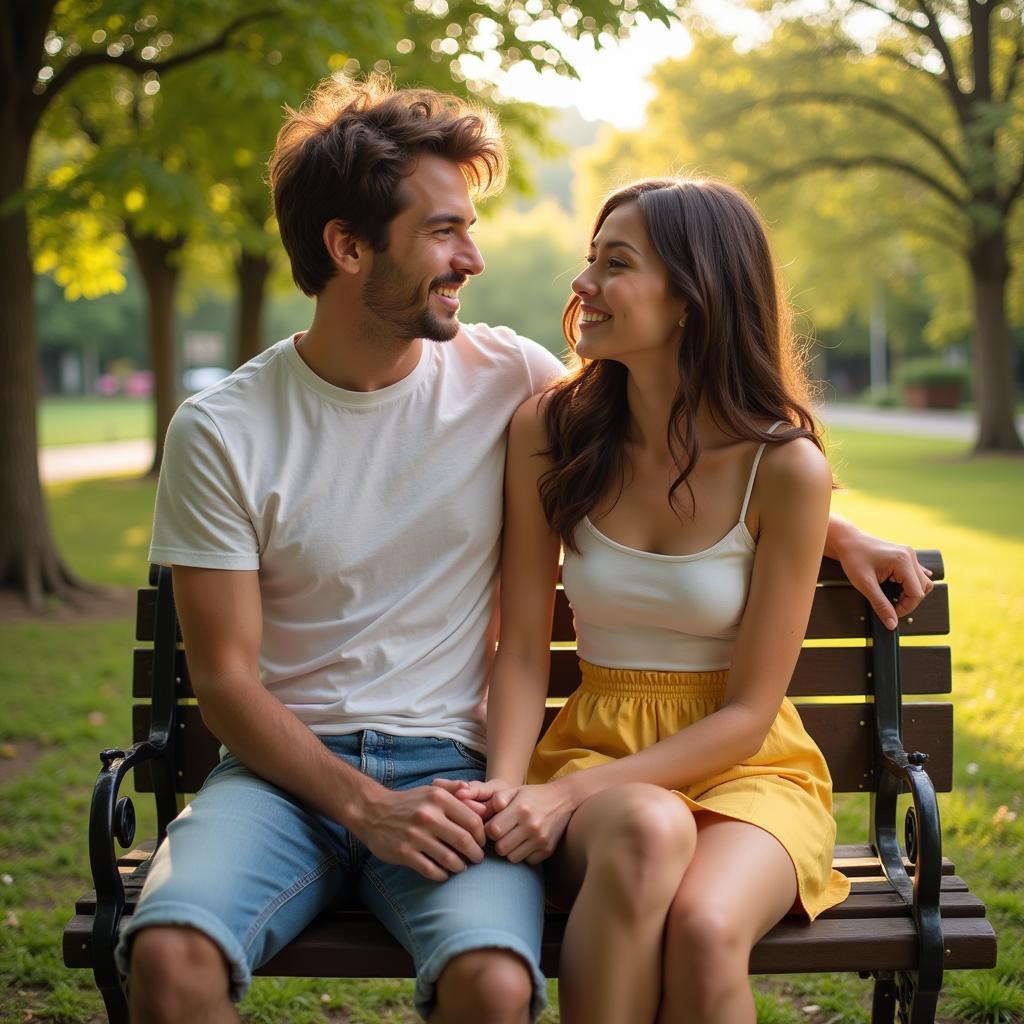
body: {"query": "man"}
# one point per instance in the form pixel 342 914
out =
pixel 332 511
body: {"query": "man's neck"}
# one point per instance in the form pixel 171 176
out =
pixel 344 354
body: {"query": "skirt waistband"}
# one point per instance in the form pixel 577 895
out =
pixel 629 682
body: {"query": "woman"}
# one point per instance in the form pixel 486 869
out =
pixel 686 809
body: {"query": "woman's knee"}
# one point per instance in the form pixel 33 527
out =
pixel 492 986
pixel 705 942
pixel 174 974
pixel 643 839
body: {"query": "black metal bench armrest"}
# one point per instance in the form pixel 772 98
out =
pixel 112 818
pixel 897 772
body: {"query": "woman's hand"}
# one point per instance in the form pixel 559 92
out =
pixel 486 798
pixel 531 822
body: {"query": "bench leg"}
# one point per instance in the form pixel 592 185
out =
pixel 883 1001
pixel 916 1006
pixel 116 1004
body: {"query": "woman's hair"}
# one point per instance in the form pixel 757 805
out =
pixel 343 155
pixel 737 351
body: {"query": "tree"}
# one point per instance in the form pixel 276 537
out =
pixel 924 100
pixel 49 46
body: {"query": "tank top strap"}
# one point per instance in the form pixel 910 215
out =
pixel 753 471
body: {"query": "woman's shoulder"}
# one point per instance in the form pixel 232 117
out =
pixel 794 468
pixel 528 428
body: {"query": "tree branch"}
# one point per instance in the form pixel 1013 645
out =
pixel 940 237
pixel 933 35
pixel 76 65
pixel 877 106
pixel 839 163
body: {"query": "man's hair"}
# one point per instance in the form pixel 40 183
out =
pixel 344 153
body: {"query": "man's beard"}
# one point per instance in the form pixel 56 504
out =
pixel 396 301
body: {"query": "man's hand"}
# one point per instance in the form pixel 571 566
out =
pixel 531 822
pixel 427 829
pixel 869 561
pixel 486 798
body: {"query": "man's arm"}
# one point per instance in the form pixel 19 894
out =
pixel 869 561
pixel 426 829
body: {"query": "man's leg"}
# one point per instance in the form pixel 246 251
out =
pixel 475 938
pixel 242 871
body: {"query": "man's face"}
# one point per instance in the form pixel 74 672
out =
pixel 413 285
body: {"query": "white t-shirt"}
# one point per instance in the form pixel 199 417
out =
pixel 374 519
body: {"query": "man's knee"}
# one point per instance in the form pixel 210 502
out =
pixel 490 986
pixel 175 974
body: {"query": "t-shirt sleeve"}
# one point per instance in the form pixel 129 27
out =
pixel 201 518
pixel 544 367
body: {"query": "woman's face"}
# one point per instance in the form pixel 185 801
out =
pixel 627 303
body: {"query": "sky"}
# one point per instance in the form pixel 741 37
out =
pixel 613 82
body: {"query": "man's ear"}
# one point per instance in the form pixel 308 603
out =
pixel 348 252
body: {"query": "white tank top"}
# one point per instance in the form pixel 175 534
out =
pixel 673 613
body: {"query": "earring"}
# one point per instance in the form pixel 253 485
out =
pixel 682 321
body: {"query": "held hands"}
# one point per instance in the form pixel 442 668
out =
pixel 524 822
pixel 869 561
pixel 427 829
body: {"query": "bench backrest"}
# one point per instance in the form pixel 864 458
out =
pixel 833 685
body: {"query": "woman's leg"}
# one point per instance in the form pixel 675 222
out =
pixel 625 850
pixel 739 884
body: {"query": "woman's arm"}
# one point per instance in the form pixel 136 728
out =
pixel 793 496
pixel 529 569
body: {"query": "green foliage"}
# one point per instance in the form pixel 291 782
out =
pixel 986 999
pixel 178 147
pixel 931 372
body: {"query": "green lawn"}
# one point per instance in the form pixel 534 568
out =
pixel 66 687
pixel 89 420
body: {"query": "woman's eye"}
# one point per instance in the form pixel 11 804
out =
pixel 615 263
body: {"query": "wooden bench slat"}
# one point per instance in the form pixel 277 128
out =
pixel 820 672
pixel 830 572
pixel 357 946
pixel 869 897
pixel 838 612
pixel 836 728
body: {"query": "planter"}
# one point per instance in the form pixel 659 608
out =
pixel 947 395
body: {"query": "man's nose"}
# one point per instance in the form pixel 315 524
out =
pixel 469 260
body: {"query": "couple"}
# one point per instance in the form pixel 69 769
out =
pixel 333 513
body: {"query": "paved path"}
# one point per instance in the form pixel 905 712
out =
pixel 121 458
pixel 86 461
pixel 939 423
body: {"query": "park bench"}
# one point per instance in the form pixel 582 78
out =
pixel 909 918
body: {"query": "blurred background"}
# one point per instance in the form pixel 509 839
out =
pixel 139 262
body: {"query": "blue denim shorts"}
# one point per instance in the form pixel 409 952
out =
pixel 249 867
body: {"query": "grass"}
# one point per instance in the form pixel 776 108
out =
pixel 94 420
pixel 65 684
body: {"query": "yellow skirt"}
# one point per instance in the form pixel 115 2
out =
pixel 784 789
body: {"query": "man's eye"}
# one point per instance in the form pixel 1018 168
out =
pixel 445 232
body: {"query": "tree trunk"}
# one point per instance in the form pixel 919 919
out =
pixel 994 379
pixel 29 561
pixel 157 260
pixel 251 270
